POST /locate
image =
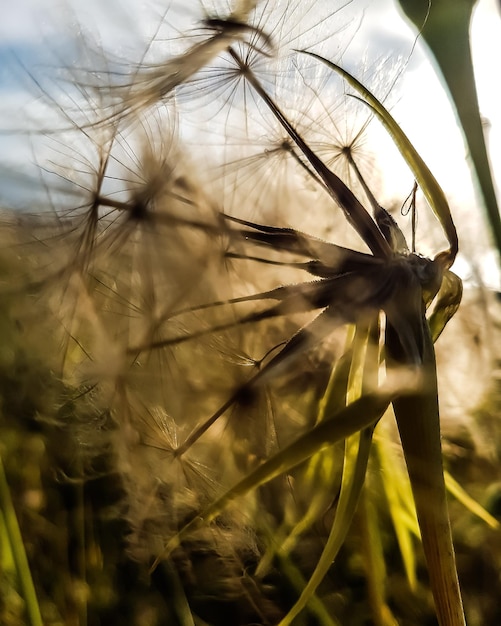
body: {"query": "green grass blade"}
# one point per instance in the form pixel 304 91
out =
pixel 431 189
pixel 320 470
pixel 418 423
pixel 374 563
pixel 360 414
pixel 178 598
pixel 399 497
pixel 335 396
pixel 18 552
pixel 445 26
pixel 355 467
pixel 455 489
pixel 296 578
pixel 446 304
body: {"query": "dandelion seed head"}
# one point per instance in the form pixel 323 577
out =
pixel 191 261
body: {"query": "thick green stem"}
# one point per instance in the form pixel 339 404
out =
pixel 418 422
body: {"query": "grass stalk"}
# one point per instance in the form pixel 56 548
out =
pixel 15 538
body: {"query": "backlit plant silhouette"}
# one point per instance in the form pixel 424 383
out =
pixel 240 368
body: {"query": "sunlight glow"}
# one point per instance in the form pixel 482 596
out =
pixel 374 31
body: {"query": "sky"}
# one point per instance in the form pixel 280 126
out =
pixel 29 28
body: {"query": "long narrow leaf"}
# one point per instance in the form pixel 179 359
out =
pixel 418 423
pixel 320 465
pixel 399 496
pixel 355 466
pixel 455 489
pixel 428 183
pixel 364 372
pixel 13 532
pixel 445 26
pixel 362 413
